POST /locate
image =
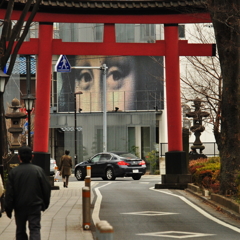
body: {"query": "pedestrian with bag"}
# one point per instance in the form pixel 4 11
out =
pixel 66 167
pixel 28 193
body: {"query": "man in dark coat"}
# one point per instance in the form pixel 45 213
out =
pixel 28 193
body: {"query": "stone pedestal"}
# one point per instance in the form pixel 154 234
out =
pixel 174 181
pixel 176 176
pixel 43 160
pixel 51 180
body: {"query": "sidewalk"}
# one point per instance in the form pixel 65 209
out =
pixel 61 221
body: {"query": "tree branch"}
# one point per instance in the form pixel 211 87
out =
pixel 22 37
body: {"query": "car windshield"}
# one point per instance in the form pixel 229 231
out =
pixel 128 155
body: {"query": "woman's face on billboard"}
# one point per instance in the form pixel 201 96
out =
pixel 121 81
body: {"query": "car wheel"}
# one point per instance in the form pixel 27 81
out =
pixel 136 177
pixel 79 174
pixel 109 175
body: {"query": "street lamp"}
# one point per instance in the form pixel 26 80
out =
pixel 3 78
pixel 29 101
pixel 75 124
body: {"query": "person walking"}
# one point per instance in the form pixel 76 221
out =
pixel 28 193
pixel 66 167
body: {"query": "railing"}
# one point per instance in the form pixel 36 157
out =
pixel 211 149
pixel 138 100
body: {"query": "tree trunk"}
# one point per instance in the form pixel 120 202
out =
pixel 225 18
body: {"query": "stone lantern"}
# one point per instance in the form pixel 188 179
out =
pixel 197 127
pixel 15 128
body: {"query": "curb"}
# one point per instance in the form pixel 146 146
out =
pixel 216 203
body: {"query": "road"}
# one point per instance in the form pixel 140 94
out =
pixel 137 211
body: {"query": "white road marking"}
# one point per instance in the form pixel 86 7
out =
pixel 97 205
pixel 150 213
pixel 175 234
pixel 204 213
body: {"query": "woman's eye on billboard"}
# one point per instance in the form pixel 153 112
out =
pixel 115 74
pixel 84 80
pixel 115 78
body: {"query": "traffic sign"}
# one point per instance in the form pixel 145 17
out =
pixel 62 64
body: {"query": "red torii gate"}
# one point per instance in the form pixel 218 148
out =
pixel 171 47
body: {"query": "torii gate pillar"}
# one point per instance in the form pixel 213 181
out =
pixel 176 163
pixel 43 91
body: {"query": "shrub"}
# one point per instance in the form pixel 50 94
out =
pixel 197 162
pixel 205 173
pixel 134 150
pixel 152 159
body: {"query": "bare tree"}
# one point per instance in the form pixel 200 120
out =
pixel 15 33
pixel 201 77
pixel 12 36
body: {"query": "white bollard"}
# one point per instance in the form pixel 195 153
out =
pixel 104 231
pixel 88 171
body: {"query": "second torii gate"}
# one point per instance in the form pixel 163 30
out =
pixel 171 47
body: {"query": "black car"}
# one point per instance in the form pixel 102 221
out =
pixel 109 165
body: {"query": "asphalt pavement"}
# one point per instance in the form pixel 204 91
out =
pixel 61 221
pixel 138 211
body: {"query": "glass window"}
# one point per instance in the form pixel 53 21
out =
pixel 127 155
pixel 181 31
pixel 125 32
pixel 145 141
pixel 98 32
pixel 131 140
pixel 148 33
pixel 105 157
pixel 95 159
pixel 80 32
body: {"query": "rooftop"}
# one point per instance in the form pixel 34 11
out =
pixel 120 6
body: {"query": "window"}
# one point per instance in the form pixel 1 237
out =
pixel 181 31
pixel 124 32
pixel 148 33
pixel 105 157
pixel 95 159
pixel 98 32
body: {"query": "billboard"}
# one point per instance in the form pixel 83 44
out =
pixel 134 83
